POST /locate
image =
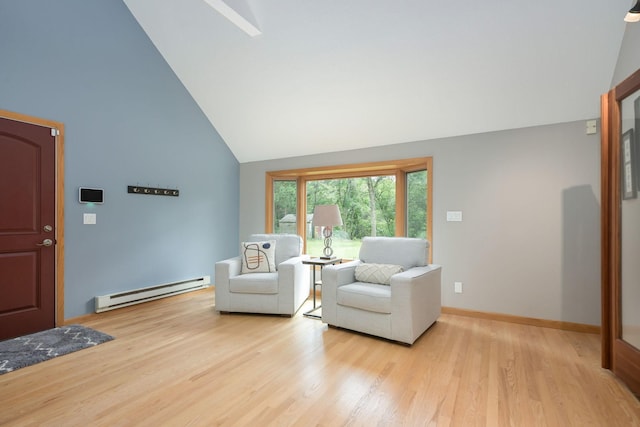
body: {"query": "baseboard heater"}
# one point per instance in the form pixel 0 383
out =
pixel 137 296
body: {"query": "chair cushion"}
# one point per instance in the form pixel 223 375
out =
pixel 366 296
pixel 377 273
pixel 287 245
pixel 405 251
pixel 257 283
pixel 258 257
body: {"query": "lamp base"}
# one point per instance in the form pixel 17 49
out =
pixel 328 257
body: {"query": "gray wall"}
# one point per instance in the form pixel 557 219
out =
pixel 128 120
pixel 529 244
pixel 628 58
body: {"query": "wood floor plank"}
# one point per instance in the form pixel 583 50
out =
pixel 177 362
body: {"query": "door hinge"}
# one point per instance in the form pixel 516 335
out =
pixel 55 132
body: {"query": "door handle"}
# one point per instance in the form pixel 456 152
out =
pixel 45 242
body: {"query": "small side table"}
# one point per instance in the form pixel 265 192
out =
pixel 313 262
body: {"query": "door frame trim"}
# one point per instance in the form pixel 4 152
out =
pixel 617 355
pixel 59 236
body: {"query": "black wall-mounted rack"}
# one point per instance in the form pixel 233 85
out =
pixel 152 191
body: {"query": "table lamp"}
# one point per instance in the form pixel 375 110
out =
pixel 327 216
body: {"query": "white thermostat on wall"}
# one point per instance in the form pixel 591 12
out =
pixel 90 195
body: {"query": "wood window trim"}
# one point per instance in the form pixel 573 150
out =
pixel 398 168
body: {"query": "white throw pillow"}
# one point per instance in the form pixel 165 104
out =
pixel 258 257
pixel 377 273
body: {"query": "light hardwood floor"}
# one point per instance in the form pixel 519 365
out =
pixel 177 362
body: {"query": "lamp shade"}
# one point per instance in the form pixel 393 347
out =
pixel 326 216
pixel 634 13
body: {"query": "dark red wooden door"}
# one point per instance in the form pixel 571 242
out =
pixel 27 228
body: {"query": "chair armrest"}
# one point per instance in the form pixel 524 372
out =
pixel 415 282
pixel 293 283
pixel 292 261
pixel 288 272
pixel 230 267
pixel 415 273
pixel 225 270
pixel 415 300
pixel 340 274
pixel 291 266
pixel 334 276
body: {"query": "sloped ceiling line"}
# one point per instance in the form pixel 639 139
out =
pixel 333 75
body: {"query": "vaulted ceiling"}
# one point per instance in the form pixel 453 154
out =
pixel 330 75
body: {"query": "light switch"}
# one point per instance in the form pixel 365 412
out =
pixel 89 218
pixel 454 216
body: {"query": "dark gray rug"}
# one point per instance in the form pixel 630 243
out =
pixel 28 350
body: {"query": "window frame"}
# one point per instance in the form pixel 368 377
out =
pixel 399 168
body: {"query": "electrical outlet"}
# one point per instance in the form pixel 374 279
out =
pixel 457 287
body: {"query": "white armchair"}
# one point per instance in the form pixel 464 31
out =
pixel 401 310
pixel 277 292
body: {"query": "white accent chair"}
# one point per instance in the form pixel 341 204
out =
pixel 401 311
pixel 280 292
